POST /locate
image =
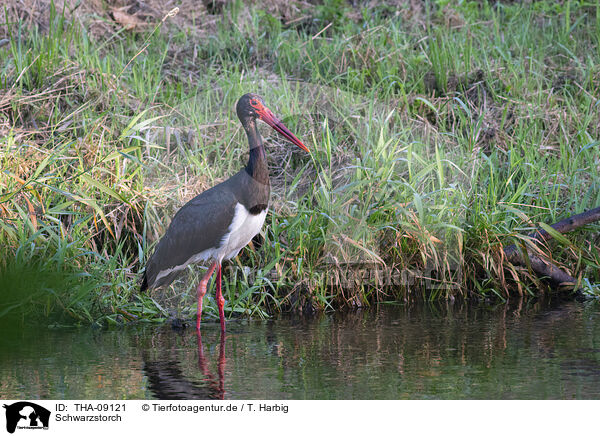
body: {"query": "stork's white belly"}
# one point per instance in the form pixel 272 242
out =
pixel 242 229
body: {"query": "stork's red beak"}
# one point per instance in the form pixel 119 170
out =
pixel 267 116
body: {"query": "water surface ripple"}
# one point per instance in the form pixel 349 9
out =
pixel 437 351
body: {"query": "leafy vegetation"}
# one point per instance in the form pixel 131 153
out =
pixel 440 131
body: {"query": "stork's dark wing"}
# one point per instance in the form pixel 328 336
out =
pixel 197 227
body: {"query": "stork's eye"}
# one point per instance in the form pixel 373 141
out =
pixel 255 103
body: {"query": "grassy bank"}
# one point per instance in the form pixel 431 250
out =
pixel 440 134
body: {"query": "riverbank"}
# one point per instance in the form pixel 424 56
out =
pixel 440 134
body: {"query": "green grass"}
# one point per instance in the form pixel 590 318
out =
pixel 439 134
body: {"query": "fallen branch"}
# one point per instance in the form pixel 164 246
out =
pixel 544 267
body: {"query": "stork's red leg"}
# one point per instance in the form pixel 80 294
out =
pixel 202 290
pixel 220 300
pixel 221 368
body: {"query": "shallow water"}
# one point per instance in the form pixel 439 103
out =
pixel 390 352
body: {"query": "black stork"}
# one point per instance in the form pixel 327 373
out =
pixel 218 223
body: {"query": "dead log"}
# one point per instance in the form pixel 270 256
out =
pixel 545 267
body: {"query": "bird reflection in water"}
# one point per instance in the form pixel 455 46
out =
pixel 167 380
pixel 218 386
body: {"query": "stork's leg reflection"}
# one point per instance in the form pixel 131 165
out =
pixel 218 387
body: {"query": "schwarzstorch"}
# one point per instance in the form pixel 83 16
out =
pixel 215 225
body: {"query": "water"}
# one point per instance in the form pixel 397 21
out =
pixel 390 352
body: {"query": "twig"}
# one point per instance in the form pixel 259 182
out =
pixel 314 37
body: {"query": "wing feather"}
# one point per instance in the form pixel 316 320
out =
pixel 197 228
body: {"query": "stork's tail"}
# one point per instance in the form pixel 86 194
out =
pixel 144 284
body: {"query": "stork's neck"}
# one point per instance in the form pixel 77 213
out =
pixel 257 163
